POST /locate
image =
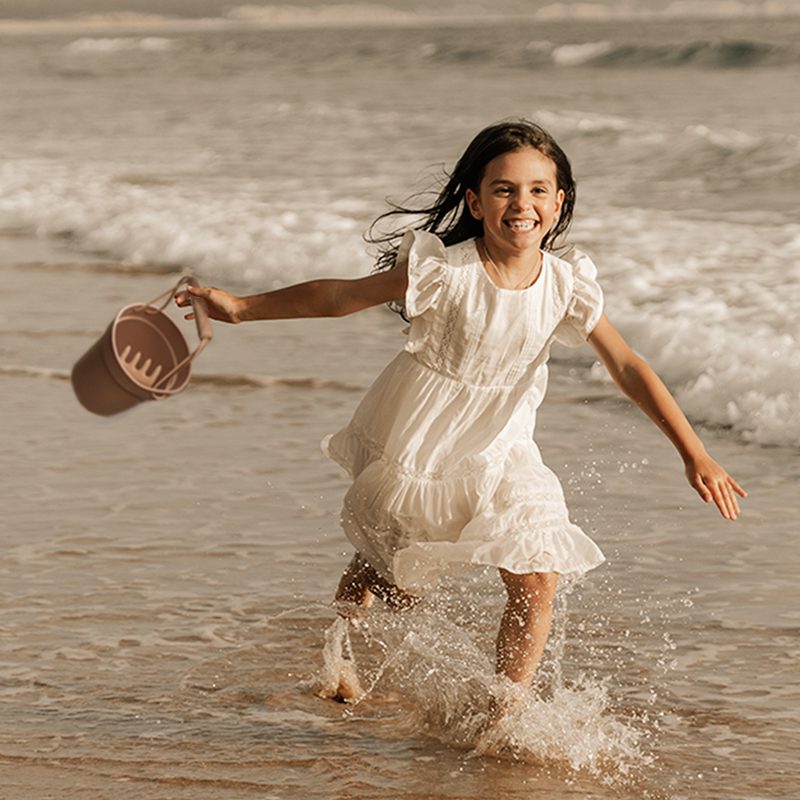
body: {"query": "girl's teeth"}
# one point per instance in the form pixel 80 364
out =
pixel 522 226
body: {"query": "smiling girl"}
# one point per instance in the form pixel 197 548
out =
pixel 446 472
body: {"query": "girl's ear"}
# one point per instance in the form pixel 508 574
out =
pixel 473 204
pixel 559 201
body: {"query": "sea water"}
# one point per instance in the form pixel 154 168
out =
pixel 167 574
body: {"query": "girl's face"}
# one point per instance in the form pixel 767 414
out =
pixel 518 201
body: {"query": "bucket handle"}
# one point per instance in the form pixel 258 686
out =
pixel 202 321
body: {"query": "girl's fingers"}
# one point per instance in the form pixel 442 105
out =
pixel 734 501
pixel 733 509
pixel 182 298
pixel 719 498
pixel 702 490
pixel 712 482
pixel 730 487
pixel 730 501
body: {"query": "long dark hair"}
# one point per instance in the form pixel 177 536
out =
pixel 448 216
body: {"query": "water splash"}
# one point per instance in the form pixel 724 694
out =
pixel 338 679
pixel 441 676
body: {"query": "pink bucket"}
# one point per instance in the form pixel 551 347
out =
pixel 141 356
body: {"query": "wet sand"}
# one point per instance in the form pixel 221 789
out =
pixel 167 573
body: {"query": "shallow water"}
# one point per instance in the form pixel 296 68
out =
pixel 167 574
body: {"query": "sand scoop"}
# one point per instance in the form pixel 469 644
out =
pixel 141 356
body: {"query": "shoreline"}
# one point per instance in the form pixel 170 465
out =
pixel 301 18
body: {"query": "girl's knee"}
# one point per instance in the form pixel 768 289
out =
pixel 354 586
pixel 531 587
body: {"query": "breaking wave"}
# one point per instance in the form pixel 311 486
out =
pixel 703 53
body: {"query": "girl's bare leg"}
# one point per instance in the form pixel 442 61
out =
pixel 355 582
pixel 360 582
pixel 359 585
pixel 525 624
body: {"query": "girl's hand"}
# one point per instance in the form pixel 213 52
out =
pixel 221 305
pixel 712 482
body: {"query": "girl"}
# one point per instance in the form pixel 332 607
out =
pixel 445 469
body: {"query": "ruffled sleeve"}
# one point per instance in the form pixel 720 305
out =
pixel 423 254
pixel 585 306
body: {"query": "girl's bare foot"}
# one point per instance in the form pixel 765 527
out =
pixel 339 680
pixel 348 689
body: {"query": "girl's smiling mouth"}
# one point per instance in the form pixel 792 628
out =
pixel 521 225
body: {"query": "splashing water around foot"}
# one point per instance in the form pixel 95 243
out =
pixel 339 679
pixel 442 676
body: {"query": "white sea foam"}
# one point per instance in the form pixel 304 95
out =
pixel 572 55
pixel 715 319
pixel 728 139
pixel 103 46
pixel 705 301
pixel 231 237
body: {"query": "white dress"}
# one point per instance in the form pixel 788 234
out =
pixel 445 470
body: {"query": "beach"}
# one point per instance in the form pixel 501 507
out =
pixel 167 575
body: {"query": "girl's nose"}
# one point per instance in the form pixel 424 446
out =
pixel 521 202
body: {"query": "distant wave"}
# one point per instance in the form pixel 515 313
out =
pixel 236 381
pixel 22 371
pixel 321 14
pixel 676 9
pixel 607 54
pixel 95 46
pixel 724 153
pixel 213 380
pixel 702 53
pixel 118 21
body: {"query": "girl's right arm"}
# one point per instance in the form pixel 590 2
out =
pixel 638 380
pixel 325 297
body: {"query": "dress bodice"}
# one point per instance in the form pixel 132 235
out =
pixel 466 328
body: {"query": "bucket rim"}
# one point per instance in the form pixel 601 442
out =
pixel 155 312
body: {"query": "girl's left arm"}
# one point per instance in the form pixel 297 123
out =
pixel 638 380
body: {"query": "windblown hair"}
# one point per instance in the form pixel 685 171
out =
pixel 449 218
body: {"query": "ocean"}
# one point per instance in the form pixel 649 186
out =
pixel 167 574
